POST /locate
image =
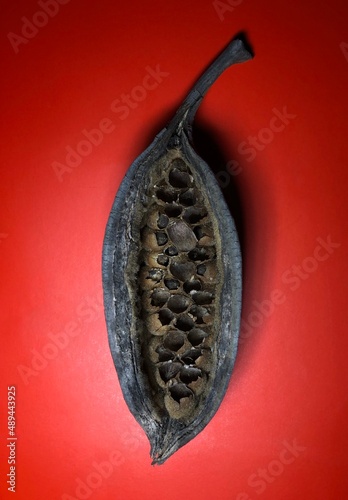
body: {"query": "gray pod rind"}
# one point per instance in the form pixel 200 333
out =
pixel 171 420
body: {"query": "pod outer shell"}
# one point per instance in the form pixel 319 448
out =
pixel 165 434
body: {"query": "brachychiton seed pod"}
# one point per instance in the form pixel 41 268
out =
pixel 172 281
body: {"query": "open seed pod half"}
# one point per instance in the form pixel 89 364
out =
pixel 172 281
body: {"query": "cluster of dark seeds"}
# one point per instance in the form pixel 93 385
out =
pixel 177 280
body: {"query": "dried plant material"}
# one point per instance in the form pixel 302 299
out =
pixel 172 281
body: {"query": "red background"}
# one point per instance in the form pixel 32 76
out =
pixel 289 387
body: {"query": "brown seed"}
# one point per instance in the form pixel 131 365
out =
pixel 165 316
pixel 182 270
pixel 191 285
pixel 187 198
pixel 174 340
pixel 179 179
pixel 161 238
pixel 168 370
pixel 173 210
pixel 196 336
pixel 162 221
pixel 189 374
pixel 210 271
pixel 201 314
pixel 164 354
pixel 159 297
pixel 204 235
pixel 182 236
pixel 171 251
pixel 166 195
pixel 201 269
pixel 178 303
pixel 171 284
pixel 155 275
pixel 202 298
pixel 200 254
pixel 162 259
pixel 185 322
pixel 189 357
pixel 192 215
pixel 199 232
pixel 179 391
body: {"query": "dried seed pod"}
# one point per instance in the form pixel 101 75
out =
pixel 172 281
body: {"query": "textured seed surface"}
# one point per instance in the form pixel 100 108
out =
pixel 177 285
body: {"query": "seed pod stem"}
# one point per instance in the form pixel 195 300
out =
pixel 235 52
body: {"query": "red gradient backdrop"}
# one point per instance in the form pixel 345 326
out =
pixel 281 430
